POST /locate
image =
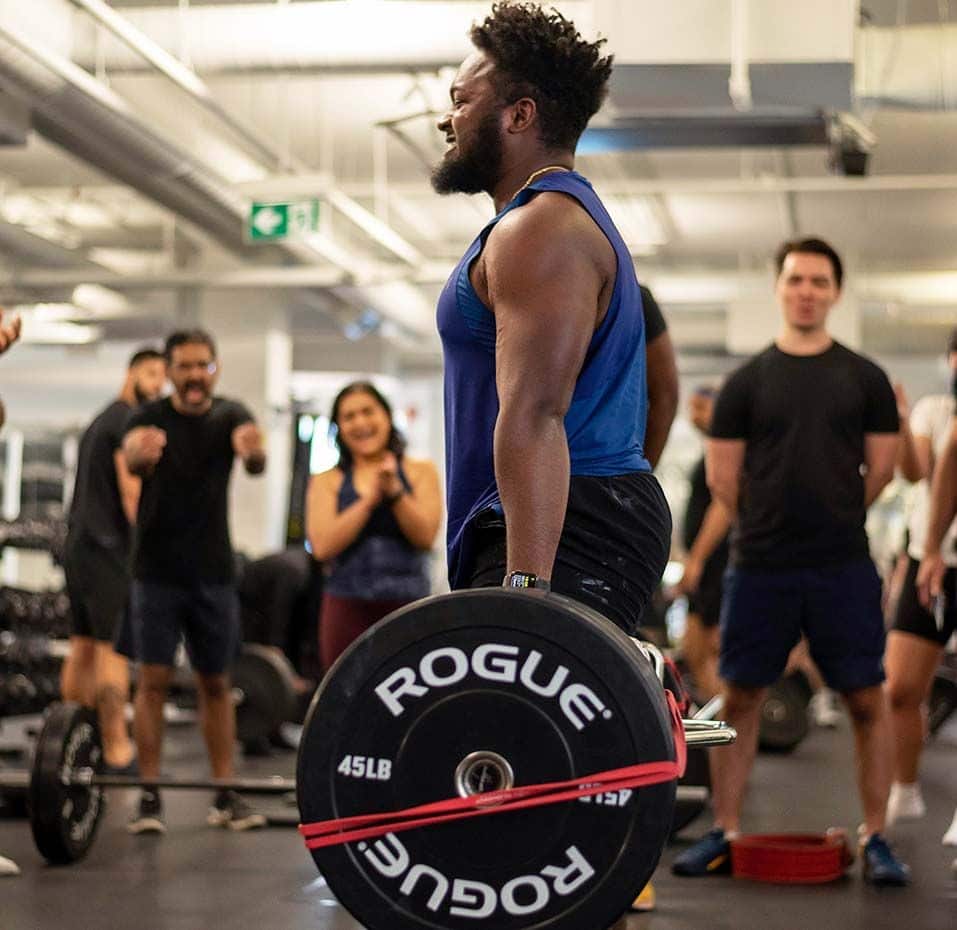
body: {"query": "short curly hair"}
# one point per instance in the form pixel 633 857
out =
pixel 540 54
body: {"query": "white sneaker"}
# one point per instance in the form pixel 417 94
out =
pixel 905 803
pixel 8 867
pixel 822 708
pixel 950 837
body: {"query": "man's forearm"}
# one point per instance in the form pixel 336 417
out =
pixel 532 471
pixel 874 483
pixel 907 459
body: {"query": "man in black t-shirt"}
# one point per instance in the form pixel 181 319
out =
pixel 803 439
pixel 96 560
pixel 184 447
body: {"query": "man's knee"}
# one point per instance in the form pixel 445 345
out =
pixel 214 687
pixel 741 702
pixel 866 706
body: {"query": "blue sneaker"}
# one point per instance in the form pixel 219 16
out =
pixel 881 866
pixel 711 855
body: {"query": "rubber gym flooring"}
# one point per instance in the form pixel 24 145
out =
pixel 197 877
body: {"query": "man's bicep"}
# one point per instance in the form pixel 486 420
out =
pixel 724 459
pixel 880 451
pixel 545 314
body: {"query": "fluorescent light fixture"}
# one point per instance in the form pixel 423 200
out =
pixel 99 301
pixel 49 332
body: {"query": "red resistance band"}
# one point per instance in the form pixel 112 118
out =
pixel 369 826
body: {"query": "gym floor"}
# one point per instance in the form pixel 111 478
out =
pixel 197 877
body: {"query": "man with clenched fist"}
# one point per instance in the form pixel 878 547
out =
pixel 183 448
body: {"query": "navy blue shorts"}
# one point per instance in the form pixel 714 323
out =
pixel 205 615
pixel 838 608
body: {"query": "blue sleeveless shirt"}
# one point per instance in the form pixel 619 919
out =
pixel 380 564
pixel 605 423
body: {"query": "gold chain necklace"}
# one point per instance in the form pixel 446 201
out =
pixel 537 174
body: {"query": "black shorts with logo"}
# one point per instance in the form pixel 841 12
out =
pixel 613 548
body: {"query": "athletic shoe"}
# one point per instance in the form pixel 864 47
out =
pixel 645 901
pixel 149 815
pixel 822 709
pixel 8 867
pixel 711 855
pixel 950 837
pixel 881 866
pixel 232 811
pixel 905 802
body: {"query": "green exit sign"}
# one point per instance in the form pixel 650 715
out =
pixel 269 222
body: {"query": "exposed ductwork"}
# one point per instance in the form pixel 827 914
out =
pixel 76 111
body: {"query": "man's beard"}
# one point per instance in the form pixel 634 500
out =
pixel 476 169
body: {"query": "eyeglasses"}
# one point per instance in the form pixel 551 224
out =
pixel 184 367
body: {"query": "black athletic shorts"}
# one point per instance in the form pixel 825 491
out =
pixel 912 617
pixel 98 584
pixel 612 552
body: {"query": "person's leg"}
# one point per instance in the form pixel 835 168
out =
pixel 218 715
pixel 909 663
pixel 77 674
pixel 700 646
pixel 760 623
pixel 345 619
pixel 845 629
pixel 155 627
pixel 731 765
pixel 112 677
pixel 914 648
pixel 152 686
pixel 873 752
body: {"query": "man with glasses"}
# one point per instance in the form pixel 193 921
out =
pixel 183 448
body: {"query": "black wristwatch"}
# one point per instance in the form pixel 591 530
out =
pixel 526 580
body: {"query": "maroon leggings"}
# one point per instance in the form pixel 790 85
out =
pixel 343 619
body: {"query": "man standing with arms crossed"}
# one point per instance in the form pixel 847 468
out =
pixel 803 439
pixel 96 561
pixel 183 447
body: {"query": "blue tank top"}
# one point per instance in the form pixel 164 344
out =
pixel 605 423
pixel 381 564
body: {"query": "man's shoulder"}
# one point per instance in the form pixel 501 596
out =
pixel 849 356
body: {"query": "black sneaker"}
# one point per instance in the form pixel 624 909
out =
pixel 149 815
pixel 232 811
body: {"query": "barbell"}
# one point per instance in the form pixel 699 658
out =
pixel 65 785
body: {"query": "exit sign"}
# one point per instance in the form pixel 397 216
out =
pixel 269 222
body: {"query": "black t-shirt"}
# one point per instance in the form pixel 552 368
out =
pixel 804 419
pixel 654 319
pixel 96 512
pixel 182 528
